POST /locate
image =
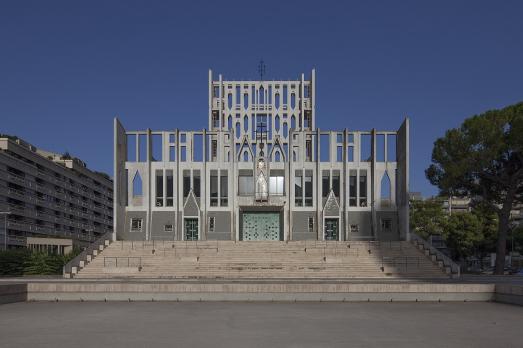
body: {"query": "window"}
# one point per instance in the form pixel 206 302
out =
pixel 311 224
pixel 196 183
pixel 298 190
pixel 352 189
pixel 308 190
pixel 224 189
pixel 168 228
pixel 186 183
pixel 363 188
pixel 136 225
pixel 307 120
pixel 325 184
pixel 214 149
pixel 350 154
pixel 276 185
pixel 245 184
pixel 214 188
pixel 308 150
pixel 336 183
pixel 170 188
pixel 211 223
pixel 386 225
pixel 159 188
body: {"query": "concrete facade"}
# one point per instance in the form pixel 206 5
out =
pixel 261 171
pixel 50 195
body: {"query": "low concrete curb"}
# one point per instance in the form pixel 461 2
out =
pixel 258 291
pixel 509 293
pixel 10 293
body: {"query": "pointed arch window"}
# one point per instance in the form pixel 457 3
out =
pixel 385 189
pixel 137 185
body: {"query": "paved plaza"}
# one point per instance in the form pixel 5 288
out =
pixel 241 324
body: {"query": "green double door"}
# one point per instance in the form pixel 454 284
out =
pixel 261 226
pixel 331 229
pixel 191 229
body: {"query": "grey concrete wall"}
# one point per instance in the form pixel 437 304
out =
pixel 364 220
pixel 125 234
pixel 300 221
pixel 304 236
pixel 393 233
pixel 222 225
pixel 159 220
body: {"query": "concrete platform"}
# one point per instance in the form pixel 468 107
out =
pixel 260 324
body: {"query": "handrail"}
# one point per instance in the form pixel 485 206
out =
pixel 75 262
pixel 128 258
pixel 447 261
pixel 400 261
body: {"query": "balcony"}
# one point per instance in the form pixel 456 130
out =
pixel 17 179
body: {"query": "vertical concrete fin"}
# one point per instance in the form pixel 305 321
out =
pixel 402 179
pixel 120 178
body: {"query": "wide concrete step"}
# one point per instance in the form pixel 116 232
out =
pixel 212 259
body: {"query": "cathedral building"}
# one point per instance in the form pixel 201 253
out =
pixel 262 170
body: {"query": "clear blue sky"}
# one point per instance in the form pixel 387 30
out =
pixel 67 68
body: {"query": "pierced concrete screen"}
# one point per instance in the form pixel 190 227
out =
pixel 380 147
pixel 142 148
pixel 325 148
pixel 197 148
pixel 365 147
pixel 156 144
pixel 131 148
pixel 391 147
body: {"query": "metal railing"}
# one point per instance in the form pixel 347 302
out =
pixel 377 244
pixel 400 261
pixel 88 251
pixel 123 261
pixel 447 261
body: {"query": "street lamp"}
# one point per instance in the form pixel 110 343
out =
pixel 5 213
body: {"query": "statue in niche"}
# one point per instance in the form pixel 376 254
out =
pixel 262 190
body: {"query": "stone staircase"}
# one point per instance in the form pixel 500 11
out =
pixel 260 260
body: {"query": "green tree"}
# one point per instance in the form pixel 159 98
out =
pixel 489 229
pixel 427 217
pixel 483 159
pixel 463 233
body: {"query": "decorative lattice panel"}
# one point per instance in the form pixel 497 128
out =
pixel 261 226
